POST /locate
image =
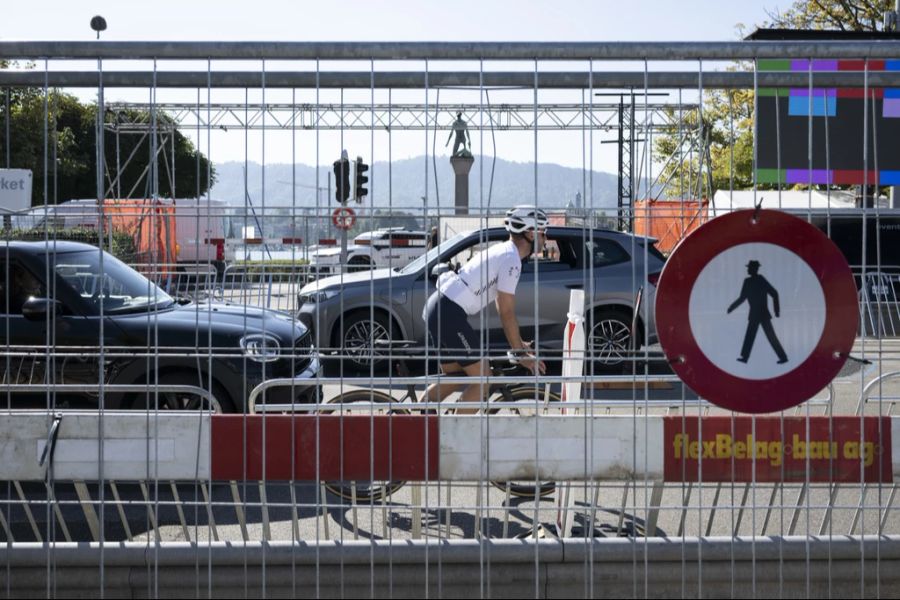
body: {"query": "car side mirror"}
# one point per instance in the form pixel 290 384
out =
pixel 37 309
pixel 439 269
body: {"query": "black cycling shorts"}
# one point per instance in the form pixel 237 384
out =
pixel 449 331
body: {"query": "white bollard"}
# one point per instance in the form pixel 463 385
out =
pixel 572 366
pixel 573 347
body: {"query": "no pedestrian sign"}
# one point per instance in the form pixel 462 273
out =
pixel 756 311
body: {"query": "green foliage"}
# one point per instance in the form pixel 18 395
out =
pixel 189 162
pixel 278 265
pixel 841 15
pixel 727 133
pixel 54 133
pixel 122 244
pixel 31 134
pixel 273 270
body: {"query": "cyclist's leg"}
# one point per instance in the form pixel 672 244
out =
pixel 475 392
pixel 468 346
pixel 437 391
pixel 449 332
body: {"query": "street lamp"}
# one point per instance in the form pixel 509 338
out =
pixel 98 24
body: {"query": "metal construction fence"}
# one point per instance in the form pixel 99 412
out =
pixel 238 395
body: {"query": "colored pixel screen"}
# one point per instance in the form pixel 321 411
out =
pixel 837 123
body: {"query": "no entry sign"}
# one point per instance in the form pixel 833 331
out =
pixel 756 310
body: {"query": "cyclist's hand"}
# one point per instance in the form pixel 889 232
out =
pixel 529 362
pixel 533 365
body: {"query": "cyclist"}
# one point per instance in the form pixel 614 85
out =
pixel 491 276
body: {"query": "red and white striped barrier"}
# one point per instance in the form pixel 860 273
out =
pixel 134 446
pixel 255 241
pixel 452 448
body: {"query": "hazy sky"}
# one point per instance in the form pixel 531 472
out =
pixel 357 20
pixel 399 20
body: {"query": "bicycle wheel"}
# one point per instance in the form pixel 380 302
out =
pixel 364 490
pixel 539 395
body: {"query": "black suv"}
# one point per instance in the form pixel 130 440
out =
pixel 60 300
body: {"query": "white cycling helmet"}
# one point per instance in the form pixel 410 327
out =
pixel 525 218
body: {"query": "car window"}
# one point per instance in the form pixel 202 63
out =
pixel 434 253
pixel 652 250
pixel 558 255
pixel 601 252
pixel 550 254
pixel 16 287
pixel 461 258
pixel 114 285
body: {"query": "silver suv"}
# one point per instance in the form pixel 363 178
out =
pixel 356 314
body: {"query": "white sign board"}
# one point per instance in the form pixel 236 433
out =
pixel 15 190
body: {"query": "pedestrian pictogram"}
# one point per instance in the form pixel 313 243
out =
pixel 756 291
pixel 756 311
pixel 343 218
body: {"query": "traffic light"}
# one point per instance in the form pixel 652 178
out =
pixel 342 180
pixel 361 180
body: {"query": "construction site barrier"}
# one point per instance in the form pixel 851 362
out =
pixel 620 568
pixel 195 446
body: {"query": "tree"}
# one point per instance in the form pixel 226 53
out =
pixel 30 134
pixel 56 134
pixel 188 163
pixel 717 155
pixel 841 15
pixel 727 131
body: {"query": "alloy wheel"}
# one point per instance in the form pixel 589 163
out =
pixel 610 341
pixel 359 341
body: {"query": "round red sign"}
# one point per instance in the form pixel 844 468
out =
pixel 756 311
pixel 343 218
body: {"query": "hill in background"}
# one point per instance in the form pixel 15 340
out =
pixel 402 184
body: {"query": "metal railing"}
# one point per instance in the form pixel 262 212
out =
pixel 161 518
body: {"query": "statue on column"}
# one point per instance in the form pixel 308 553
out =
pixel 462 137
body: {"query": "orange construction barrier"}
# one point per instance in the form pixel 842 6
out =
pixel 669 221
pixel 151 224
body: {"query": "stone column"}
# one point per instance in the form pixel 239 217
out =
pixel 461 166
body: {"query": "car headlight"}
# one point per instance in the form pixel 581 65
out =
pixel 260 347
pixel 318 296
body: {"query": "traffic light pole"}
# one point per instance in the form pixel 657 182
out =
pixel 328 224
pixel 342 194
pixel 344 217
pixel 343 249
pixel 343 246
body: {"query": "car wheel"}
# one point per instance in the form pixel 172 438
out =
pixel 181 400
pixel 609 339
pixel 359 335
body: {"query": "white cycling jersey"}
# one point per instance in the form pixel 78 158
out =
pixel 496 269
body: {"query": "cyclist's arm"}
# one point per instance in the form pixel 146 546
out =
pixel 506 306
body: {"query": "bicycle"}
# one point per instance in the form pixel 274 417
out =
pixel 498 393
